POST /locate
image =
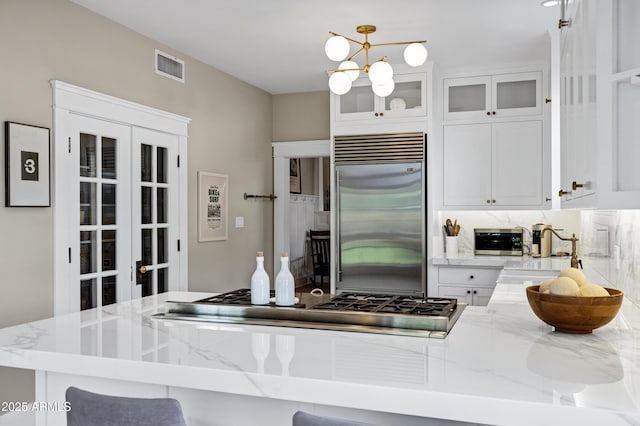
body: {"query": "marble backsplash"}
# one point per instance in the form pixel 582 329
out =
pixel 566 222
pixel 612 238
pixel 609 239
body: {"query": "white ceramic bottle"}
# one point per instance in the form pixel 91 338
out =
pixel 285 285
pixel 260 283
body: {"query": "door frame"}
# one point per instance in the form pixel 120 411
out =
pixel 69 100
pixel 282 152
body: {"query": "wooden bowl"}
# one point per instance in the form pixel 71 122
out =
pixel 575 314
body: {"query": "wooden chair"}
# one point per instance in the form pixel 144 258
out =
pixel 320 255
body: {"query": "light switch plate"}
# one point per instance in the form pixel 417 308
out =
pixel 239 221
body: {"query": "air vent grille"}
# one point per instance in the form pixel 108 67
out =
pixel 168 66
pixel 379 148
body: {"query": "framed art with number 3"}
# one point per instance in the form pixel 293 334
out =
pixel 27 170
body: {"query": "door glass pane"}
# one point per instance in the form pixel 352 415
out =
pixel 87 155
pixel 627 34
pixel 627 148
pixel 108 158
pixel 358 99
pixel 108 250
pixel 516 94
pixel 108 290
pixel 162 205
pixel 147 283
pixel 87 252
pixel 409 93
pixel 163 276
pixel 146 204
pixel 108 204
pixel 147 246
pixel 162 245
pixel 162 165
pixel 87 203
pixel 467 98
pixel 146 163
pixel 87 294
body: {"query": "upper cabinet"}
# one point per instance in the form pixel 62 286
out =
pixel 600 98
pixel 405 109
pixel 618 71
pixel 409 99
pixel 493 97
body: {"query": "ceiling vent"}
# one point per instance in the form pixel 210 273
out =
pixel 168 66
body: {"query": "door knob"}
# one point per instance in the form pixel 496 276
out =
pixel 140 271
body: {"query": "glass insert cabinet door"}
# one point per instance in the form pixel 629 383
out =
pixel 103 168
pixel 126 242
pixel 154 211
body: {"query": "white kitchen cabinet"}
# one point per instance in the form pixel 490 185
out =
pixel 618 110
pixel 600 105
pixel 470 285
pixel 493 96
pixel 409 99
pixel 494 165
pixel 578 106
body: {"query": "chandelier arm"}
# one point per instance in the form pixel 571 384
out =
pixel 355 54
pixel 398 43
pixel 349 39
pixel 345 70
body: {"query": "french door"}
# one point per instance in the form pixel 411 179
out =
pixel 122 207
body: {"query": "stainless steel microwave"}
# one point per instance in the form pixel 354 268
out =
pixel 498 241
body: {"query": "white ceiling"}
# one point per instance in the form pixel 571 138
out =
pixel 278 45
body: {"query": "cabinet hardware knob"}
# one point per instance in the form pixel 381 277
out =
pixel 488 113
pixel 493 112
pixel 493 201
pixel 547 199
pixel 468 291
pixel 142 269
pixel 575 185
pixel 562 193
pixel 475 291
pixel 470 277
pixel 376 114
pixel 488 201
pixel 381 114
pixel 547 100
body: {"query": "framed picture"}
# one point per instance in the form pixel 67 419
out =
pixel 213 196
pixel 26 161
pixel 295 186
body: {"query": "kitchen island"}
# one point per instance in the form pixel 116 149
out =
pixel 499 365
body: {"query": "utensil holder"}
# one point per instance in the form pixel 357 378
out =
pixel 452 247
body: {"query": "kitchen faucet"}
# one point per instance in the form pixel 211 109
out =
pixel 574 255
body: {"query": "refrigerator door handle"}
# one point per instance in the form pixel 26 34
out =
pixel 338 254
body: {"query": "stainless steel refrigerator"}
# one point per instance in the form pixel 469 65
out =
pixel 380 221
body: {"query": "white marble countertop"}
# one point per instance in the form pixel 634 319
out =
pixel 499 365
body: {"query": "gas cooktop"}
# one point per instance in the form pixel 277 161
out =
pixel 362 312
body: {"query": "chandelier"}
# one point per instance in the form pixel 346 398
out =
pixel 380 72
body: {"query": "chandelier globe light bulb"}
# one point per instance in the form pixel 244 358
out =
pixel 339 83
pixel 353 68
pixel 385 89
pixel 337 48
pixel 415 54
pixel 380 72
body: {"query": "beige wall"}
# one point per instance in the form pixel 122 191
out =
pixel 301 116
pixel 230 133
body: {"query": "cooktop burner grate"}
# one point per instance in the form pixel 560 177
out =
pixel 382 303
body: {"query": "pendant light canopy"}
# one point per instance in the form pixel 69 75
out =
pixel 380 72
